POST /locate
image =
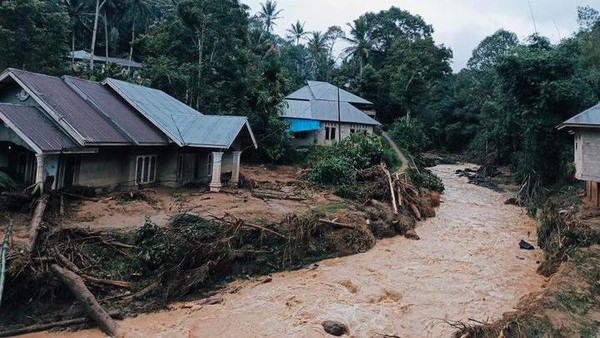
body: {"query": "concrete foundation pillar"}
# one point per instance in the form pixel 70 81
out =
pixel 235 168
pixel 40 174
pixel 215 184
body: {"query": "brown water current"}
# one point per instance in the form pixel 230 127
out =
pixel 467 265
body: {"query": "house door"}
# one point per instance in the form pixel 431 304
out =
pixel 26 167
pixel 70 167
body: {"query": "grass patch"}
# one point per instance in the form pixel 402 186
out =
pixel 574 302
pixel 331 208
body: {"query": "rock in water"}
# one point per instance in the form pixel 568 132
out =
pixel 335 328
pixel 412 234
pixel 525 246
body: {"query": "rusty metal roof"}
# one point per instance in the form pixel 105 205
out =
pixel 38 130
pixel 588 118
pixel 87 125
pixel 127 119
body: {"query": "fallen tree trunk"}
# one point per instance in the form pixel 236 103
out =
pixel 263 195
pixel 38 215
pixel 48 326
pixel 392 192
pixel 87 300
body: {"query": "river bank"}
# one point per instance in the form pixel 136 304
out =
pixel 467 265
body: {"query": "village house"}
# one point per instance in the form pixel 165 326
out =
pixel 586 129
pixel 71 132
pixel 81 59
pixel 321 114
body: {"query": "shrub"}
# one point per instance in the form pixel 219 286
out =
pixel 409 134
pixel 362 150
pixel 333 171
pixel 426 179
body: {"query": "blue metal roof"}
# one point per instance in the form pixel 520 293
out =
pixel 588 118
pixel 317 90
pixel 181 123
pixel 326 111
pixel 85 56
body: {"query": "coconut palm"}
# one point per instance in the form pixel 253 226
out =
pixel 137 12
pixel 361 42
pixel 269 13
pixel 76 9
pixel 297 31
pixel 317 50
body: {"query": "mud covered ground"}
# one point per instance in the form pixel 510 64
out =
pixel 467 266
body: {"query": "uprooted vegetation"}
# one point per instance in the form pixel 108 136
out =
pixel 569 234
pixel 142 269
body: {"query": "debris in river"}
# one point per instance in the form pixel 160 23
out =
pixel 412 234
pixel 480 177
pixel 335 328
pixel 525 246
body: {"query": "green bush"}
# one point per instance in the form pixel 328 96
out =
pixel 410 135
pixel 426 179
pixel 362 150
pixel 333 171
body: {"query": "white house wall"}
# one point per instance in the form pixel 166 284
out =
pixel 587 156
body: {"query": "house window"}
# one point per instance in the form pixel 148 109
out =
pixel 329 133
pixel 145 171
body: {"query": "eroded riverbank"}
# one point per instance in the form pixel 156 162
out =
pixel 466 265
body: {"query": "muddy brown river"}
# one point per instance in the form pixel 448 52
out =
pixel 467 265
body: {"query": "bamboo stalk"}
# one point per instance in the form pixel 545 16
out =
pixel 3 258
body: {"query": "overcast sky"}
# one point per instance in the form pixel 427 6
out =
pixel 458 24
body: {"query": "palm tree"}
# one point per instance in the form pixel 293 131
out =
pixel 297 31
pixel 269 13
pixel 361 42
pixel 317 50
pixel 137 11
pixel 76 9
pixel 99 6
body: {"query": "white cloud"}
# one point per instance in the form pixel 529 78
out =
pixel 458 24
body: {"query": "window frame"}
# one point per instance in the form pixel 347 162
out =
pixel 147 171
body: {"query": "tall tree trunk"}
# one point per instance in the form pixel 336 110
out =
pixel 105 38
pixel 95 31
pixel 73 48
pixel 132 40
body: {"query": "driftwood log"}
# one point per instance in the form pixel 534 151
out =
pixel 87 300
pixel 48 326
pixel 38 215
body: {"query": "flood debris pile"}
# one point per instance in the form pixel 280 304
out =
pixel 481 176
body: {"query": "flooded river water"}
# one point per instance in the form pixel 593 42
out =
pixel 467 265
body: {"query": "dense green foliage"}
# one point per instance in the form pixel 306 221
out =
pixel 221 59
pixel 338 166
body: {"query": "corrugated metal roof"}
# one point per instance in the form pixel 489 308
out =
pixel 38 128
pixel 127 119
pixel 317 90
pixel 588 118
pixel 85 56
pixel 87 123
pixel 326 111
pixel 183 124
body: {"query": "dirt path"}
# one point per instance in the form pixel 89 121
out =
pixel 466 265
pixel 399 153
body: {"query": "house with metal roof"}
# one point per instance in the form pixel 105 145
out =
pixel 321 114
pixel 69 131
pixel 586 130
pixel 81 56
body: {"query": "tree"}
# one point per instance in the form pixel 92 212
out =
pixel 269 14
pixel 333 34
pixel 361 42
pixel 76 9
pixel 34 35
pixel 99 6
pixel 491 48
pixel 137 12
pixel 297 32
pixel 317 51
